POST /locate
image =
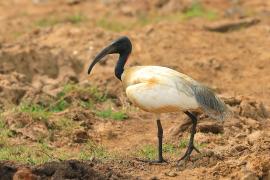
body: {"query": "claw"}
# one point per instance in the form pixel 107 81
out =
pixel 188 153
pixel 159 161
pixel 191 146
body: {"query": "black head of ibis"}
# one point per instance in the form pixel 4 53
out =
pixel 121 46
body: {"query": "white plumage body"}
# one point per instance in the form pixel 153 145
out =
pixel 159 89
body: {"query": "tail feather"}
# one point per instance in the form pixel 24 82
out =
pixel 210 103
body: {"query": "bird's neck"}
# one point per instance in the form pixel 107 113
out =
pixel 119 68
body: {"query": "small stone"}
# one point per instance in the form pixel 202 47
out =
pixel 241 136
pixel 267 176
pixel 263 111
pixel 128 11
pixel 253 137
pixel 229 25
pixel 73 2
pixel 249 176
pixel 39 1
pixel 154 178
pixel 80 136
pixel 240 148
pixel 232 101
pixel 24 174
pixel 111 135
pixel 252 123
pixel 171 174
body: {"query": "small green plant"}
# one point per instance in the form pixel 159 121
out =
pixel 119 116
pixel 23 154
pixel 98 96
pixel 202 145
pixel 27 107
pixel 67 88
pixel 112 25
pixel 64 124
pixel 92 91
pixel 91 150
pixel 36 111
pixel 148 151
pixel 168 148
pixel 47 22
pixel 61 105
pixel 86 104
pixel 76 18
pixel 197 10
pixel 17 34
pixel 52 21
pixel 183 144
pixel 5 133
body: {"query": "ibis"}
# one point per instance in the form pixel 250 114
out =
pixel 158 90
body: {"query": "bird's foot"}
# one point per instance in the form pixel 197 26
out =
pixel 188 153
pixel 159 161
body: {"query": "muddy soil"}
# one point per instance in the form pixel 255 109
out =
pixel 49 44
pixel 72 169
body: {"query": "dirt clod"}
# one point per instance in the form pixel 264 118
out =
pixel 213 127
pixel 226 26
pixel 80 136
pixel 71 169
pixel 25 174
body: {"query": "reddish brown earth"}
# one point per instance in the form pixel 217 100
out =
pixel 42 48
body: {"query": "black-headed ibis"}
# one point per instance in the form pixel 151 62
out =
pixel 160 89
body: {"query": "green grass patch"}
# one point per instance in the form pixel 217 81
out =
pixel 169 148
pixel 59 106
pixel 119 26
pixel 23 154
pixel 197 10
pixel 37 112
pixel 112 25
pixel 66 126
pixel 47 22
pixel 71 95
pixel 76 18
pixel 41 153
pixel 54 20
pixel 202 145
pixel 148 151
pixel 94 93
pixel 86 104
pixel 108 113
pixel 17 34
pixel 93 150
pixel 183 143
pixel 5 133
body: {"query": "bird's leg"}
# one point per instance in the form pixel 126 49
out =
pixel 160 137
pixel 191 146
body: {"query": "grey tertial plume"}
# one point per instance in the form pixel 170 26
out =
pixel 210 103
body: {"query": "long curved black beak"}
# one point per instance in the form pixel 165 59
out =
pixel 108 50
pixel 121 45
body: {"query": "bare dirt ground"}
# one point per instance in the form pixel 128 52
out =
pixel 59 123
